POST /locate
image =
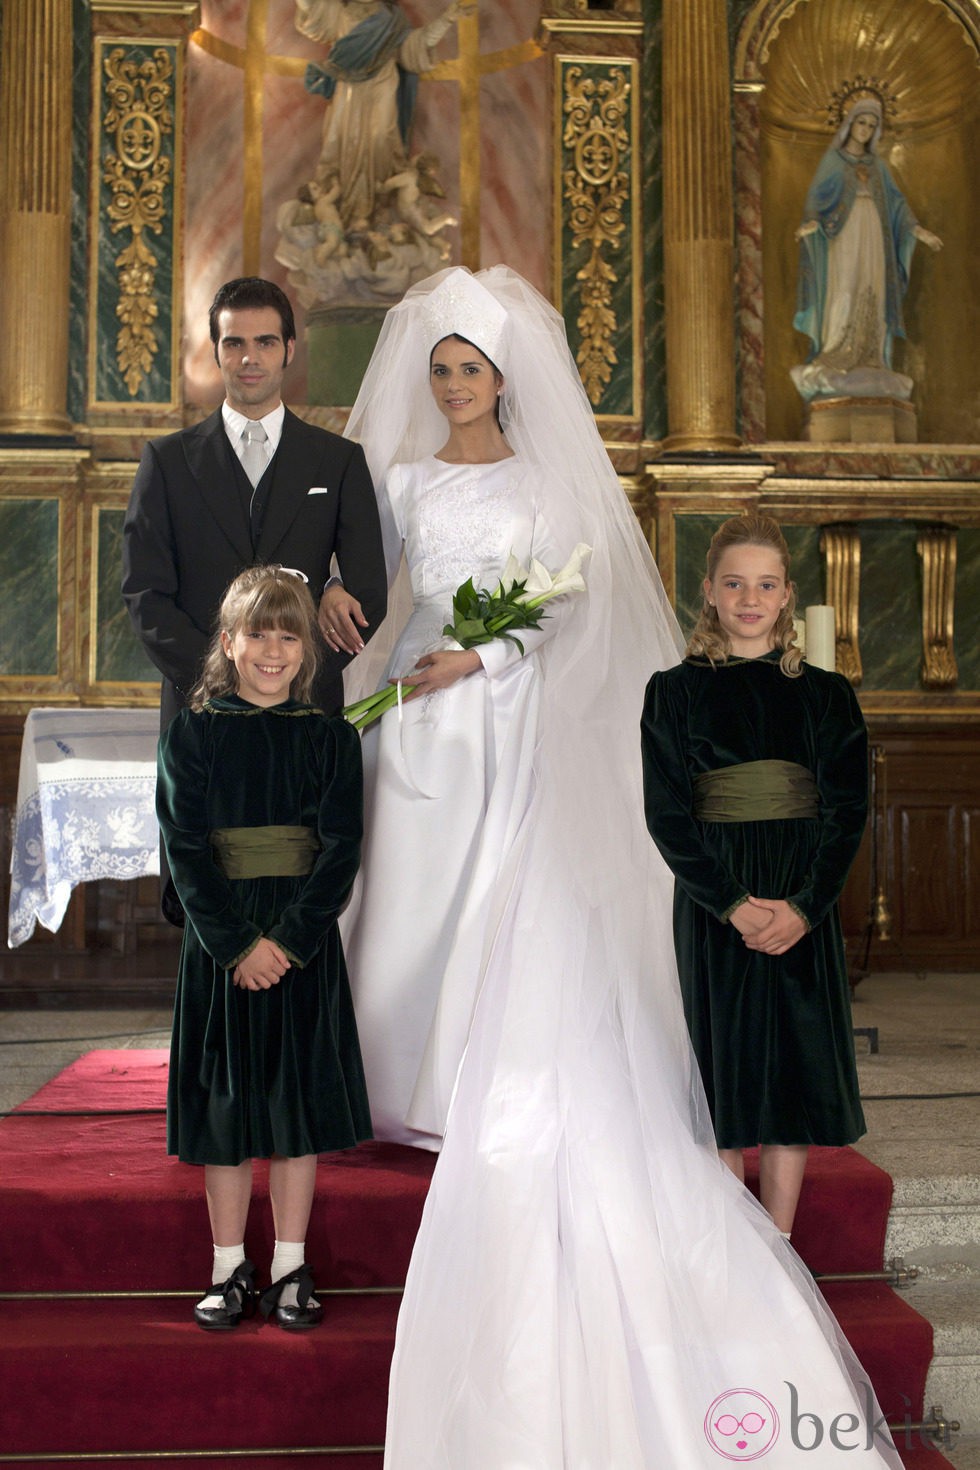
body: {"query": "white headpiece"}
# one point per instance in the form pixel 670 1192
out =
pixel 461 305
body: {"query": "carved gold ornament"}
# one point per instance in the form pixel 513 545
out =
pixel 140 113
pixel 841 547
pixel 596 188
pixel 936 546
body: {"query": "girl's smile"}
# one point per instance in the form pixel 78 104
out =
pixel 267 661
pixel 749 592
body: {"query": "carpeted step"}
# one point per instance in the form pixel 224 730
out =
pixel 124 1376
pixel 92 1202
pixel 843 1211
pixel 128 1218
pixel 893 1343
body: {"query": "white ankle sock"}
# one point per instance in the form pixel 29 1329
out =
pixel 226 1258
pixel 288 1257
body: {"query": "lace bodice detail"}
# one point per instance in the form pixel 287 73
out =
pixel 459 521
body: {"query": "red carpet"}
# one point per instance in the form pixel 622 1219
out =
pixel 92 1203
pixel 128 1218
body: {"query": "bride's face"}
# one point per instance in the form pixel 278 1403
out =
pixel 464 383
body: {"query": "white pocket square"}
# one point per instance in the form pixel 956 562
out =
pixel 318 490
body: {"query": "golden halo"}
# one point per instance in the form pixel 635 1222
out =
pixel 859 89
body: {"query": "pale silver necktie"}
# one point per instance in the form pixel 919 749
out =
pixel 255 461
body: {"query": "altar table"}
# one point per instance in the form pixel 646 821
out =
pixel 85 809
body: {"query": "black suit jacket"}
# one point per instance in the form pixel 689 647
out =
pixel 186 537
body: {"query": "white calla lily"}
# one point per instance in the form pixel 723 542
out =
pixel 512 573
pixel 539 582
pixel 542 587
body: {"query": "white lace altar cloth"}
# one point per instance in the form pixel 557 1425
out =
pixel 85 809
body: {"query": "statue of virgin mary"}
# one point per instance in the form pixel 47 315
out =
pixel 856 244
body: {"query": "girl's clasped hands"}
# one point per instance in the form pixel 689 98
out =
pixel 769 925
pixel 262 967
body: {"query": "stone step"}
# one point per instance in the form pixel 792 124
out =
pixel 932 1212
pixel 964 1453
pixel 953 1380
pixel 934 1225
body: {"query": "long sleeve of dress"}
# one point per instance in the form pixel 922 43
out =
pixel 502 654
pixel 182 809
pixel 301 926
pixel 842 783
pixel 669 804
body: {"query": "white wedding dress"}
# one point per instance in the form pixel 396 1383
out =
pixel 447 786
pixel 590 1289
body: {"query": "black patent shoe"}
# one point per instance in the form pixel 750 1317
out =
pixel 307 1311
pixel 238 1301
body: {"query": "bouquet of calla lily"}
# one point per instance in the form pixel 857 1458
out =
pixel 480 616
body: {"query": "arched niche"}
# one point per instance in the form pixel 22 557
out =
pixel 791 56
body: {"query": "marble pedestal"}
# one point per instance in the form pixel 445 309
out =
pixel 860 421
pixel 339 343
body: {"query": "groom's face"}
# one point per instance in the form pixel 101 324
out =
pixel 252 357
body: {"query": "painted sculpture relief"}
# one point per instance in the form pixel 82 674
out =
pixel 368 223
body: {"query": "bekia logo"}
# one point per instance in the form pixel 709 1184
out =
pixel 741 1425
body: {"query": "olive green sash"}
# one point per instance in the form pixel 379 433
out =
pixel 756 791
pixel 264 852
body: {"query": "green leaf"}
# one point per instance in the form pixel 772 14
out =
pixel 471 628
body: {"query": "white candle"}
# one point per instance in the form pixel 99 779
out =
pixel 821 643
pixel 799 628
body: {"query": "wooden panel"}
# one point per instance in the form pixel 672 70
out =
pixel 970 829
pixel 924 853
pixel 928 852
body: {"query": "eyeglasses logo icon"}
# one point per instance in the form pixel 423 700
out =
pixel 741 1424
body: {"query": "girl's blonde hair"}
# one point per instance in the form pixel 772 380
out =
pixel 709 639
pixel 261 597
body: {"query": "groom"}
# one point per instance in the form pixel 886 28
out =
pixel 251 484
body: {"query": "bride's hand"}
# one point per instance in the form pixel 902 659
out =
pixel 439 670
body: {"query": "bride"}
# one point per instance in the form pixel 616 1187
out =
pixel 590 1288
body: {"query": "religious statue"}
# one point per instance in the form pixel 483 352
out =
pixel 360 231
pixel 856 244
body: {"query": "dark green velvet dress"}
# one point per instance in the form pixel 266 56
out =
pixel 278 1071
pixel 772 1033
